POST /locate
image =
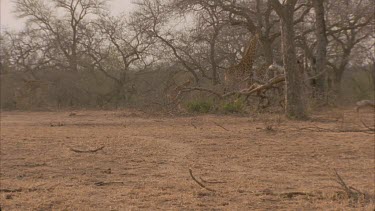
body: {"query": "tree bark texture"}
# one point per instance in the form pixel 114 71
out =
pixel 295 106
pixel 321 49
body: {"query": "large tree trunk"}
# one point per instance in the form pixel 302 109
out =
pixel 268 54
pixel 295 106
pixel 321 49
pixel 338 74
pixel 337 82
pixel 373 75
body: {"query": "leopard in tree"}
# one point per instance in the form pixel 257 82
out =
pixel 237 76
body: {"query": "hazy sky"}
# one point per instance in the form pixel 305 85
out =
pixel 9 20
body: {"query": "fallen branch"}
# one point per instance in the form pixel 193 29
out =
pixel 192 124
pixel 58 124
pixel 73 114
pixel 294 194
pixel 212 182
pixel 10 190
pixel 341 182
pixel 350 191
pixel 107 183
pixel 315 129
pixel 255 88
pixel 5 190
pixel 199 183
pixel 327 130
pixel 86 151
pixel 217 124
pixel 268 85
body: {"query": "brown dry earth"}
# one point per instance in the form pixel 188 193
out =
pixel 258 162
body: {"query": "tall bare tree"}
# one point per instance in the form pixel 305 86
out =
pixel 321 48
pixel 117 47
pixel 348 24
pixel 64 29
pixel 28 52
pixel 295 106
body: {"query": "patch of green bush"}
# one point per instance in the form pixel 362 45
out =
pixel 199 106
pixel 234 107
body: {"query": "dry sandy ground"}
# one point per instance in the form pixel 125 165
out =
pixel 252 163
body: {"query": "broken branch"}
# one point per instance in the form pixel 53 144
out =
pixel 86 151
pixel 217 124
pixel 255 88
pixel 192 124
pixel 107 183
pixel 199 183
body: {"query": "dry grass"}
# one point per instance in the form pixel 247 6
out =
pixel 145 162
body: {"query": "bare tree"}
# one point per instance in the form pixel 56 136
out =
pixel 349 23
pixel 64 30
pixel 4 55
pixel 82 45
pixel 28 52
pixel 117 48
pixel 321 48
pixel 294 106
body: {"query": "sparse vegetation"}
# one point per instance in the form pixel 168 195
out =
pixel 122 160
pixel 236 106
pixel 199 106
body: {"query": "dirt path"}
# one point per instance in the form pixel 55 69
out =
pixel 253 163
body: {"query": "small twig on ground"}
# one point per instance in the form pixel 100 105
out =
pixel 192 124
pixel 199 183
pixel 107 183
pixel 350 191
pixel 213 182
pixel 73 114
pixel 86 151
pixel 5 190
pixel 217 124
pixel 320 129
pixel 341 182
pixel 294 194
pixel 355 189
pixel 58 124
pixel 32 165
pixel 10 190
